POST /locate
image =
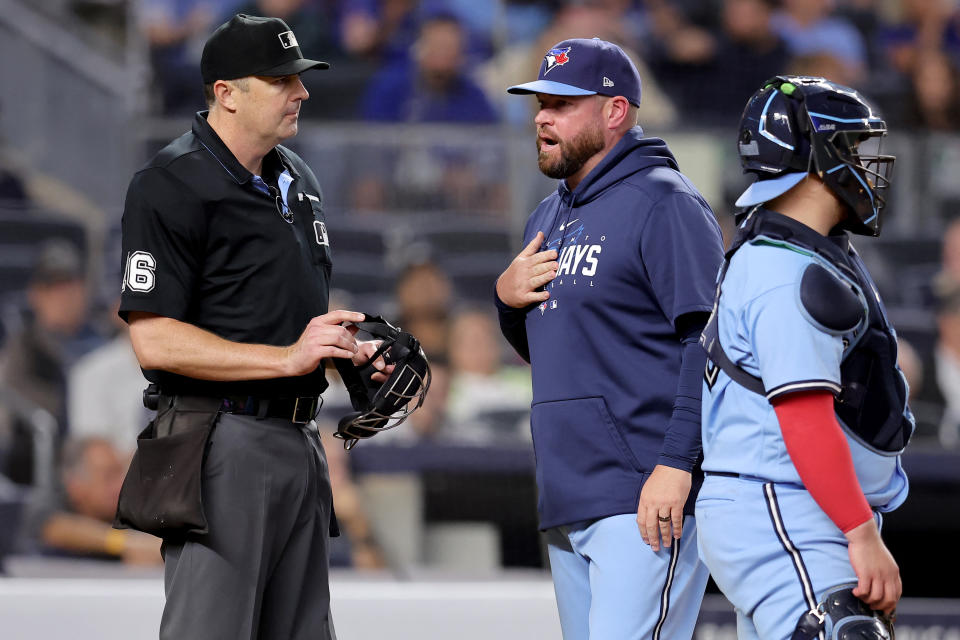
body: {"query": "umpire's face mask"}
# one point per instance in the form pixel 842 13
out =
pixel 379 407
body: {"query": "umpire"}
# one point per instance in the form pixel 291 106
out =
pixel 225 290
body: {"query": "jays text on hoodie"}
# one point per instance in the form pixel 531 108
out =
pixel 638 248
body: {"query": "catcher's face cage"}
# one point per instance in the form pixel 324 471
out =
pixel 383 406
pixel 809 124
pixel 854 169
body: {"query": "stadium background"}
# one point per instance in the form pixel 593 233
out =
pixel 425 161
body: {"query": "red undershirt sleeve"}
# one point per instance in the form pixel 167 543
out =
pixel 820 453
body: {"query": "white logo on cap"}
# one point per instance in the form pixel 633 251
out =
pixel 288 40
pixel 607 82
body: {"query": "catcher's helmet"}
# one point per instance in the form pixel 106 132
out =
pixel 379 407
pixel 795 125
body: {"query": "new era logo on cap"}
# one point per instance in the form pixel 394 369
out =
pixel 288 40
pixel 585 67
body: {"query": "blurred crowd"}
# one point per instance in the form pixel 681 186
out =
pixel 70 386
pixel 71 406
pixel 448 60
pixel 71 399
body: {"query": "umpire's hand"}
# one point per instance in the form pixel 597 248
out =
pixel 519 286
pixel 324 337
pixel 365 351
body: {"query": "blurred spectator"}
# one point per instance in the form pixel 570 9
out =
pixel 950 255
pixel 105 393
pixel 315 25
pixel 823 65
pixel 489 403
pixel 746 52
pixel 868 17
pixel 431 420
pixel 947 359
pixel 175 31
pixel 55 331
pixel 78 518
pixel 378 29
pixel 433 85
pixel 424 296
pixel 515 62
pixel 310 23
pixel 808 28
pixel 523 20
pixel 413 174
pixel 924 25
pixel 477 20
pixel 912 367
pixel 356 547
pixel 680 40
pixel 936 92
pixel 749 52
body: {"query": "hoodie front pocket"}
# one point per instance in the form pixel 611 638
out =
pixel 583 460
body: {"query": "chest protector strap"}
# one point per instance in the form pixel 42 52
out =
pixel 718 360
pixel 872 403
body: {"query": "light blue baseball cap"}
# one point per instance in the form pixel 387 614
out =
pixel 765 190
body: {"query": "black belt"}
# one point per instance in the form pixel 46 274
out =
pixel 299 410
pixel 725 474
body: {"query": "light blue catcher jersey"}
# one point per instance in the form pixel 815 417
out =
pixel 765 330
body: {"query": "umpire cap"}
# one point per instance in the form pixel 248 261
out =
pixel 253 46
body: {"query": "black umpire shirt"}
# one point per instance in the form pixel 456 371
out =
pixel 208 243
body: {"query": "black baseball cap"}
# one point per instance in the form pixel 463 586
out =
pixel 585 67
pixel 253 46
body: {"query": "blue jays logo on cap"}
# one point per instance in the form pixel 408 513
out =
pixel 585 67
pixel 555 58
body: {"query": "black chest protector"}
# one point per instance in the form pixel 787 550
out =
pixel 839 296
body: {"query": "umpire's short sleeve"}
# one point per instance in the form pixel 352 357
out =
pixel 792 353
pixel 163 231
pixel 682 249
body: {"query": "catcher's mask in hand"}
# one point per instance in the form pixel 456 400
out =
pixel 379 407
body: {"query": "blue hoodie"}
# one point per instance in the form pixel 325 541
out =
pixel 639 248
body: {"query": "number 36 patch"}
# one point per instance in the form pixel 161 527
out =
pixel 139 272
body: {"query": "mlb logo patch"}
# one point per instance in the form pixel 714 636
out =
pixel 555 58
pixel 320 231
pixel 288 40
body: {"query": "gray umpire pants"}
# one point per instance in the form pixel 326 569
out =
pixel 261 573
